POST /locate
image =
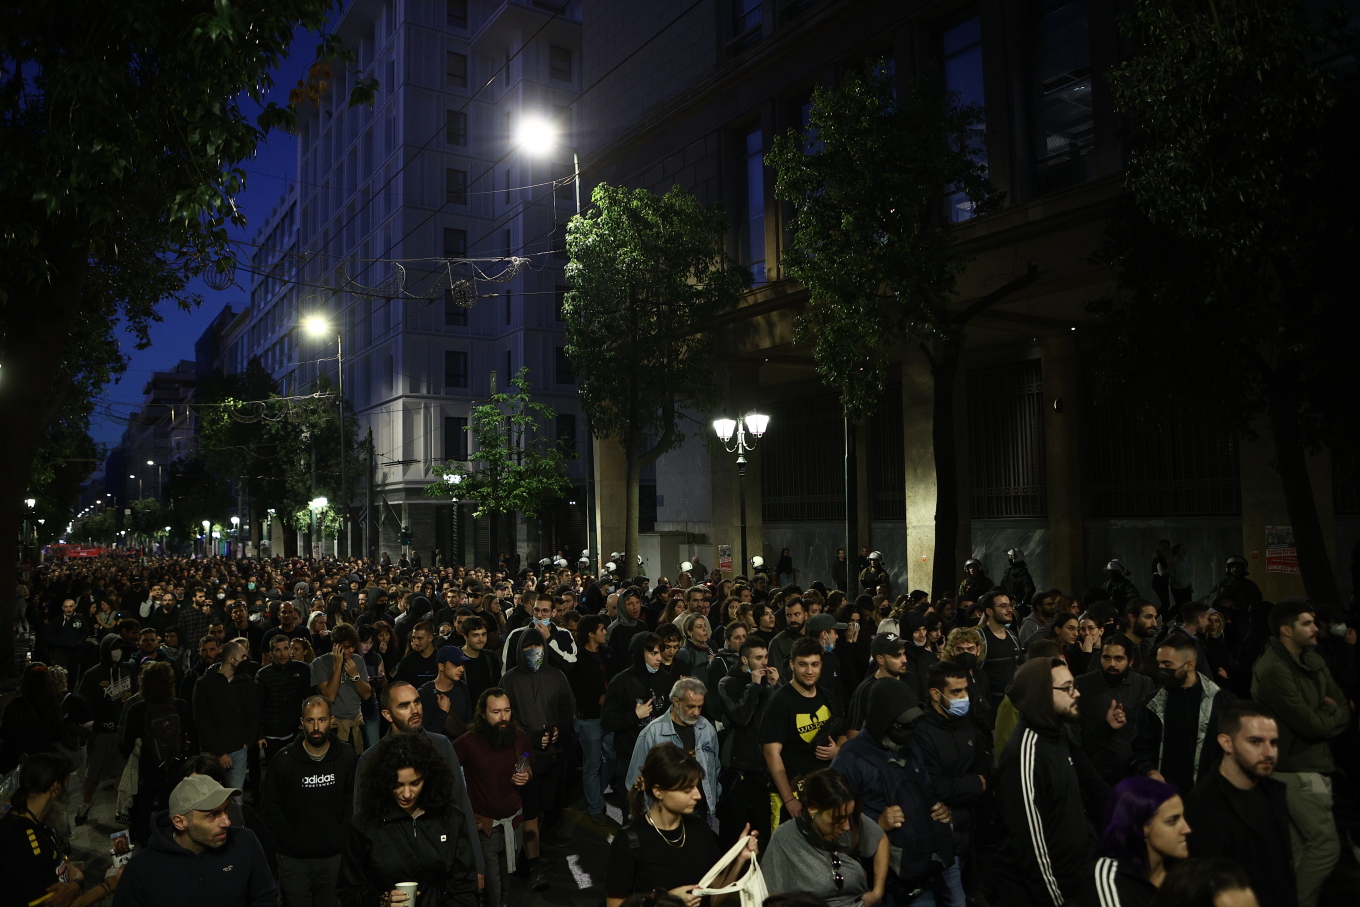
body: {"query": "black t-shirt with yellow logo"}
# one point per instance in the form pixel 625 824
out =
pixel 801 723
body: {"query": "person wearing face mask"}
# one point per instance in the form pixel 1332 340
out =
pixel 106 687
pixel 558 644
pixel 953 752
pixel 826 629
pixel 884 765
pixel 1112 698
pixel 684 726
pixel 1046 855
pixel 544 705
pixel 1175 737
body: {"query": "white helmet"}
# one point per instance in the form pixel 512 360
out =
pixel 1116 566
pixel 686 566
pixel 610 567
pixel 875 555
pixel 559 562
pixel 757 561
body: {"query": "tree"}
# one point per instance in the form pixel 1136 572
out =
pixel 1232 252
pixel 121 135
pixel 518 465
pixel 648 274
pixel 871 243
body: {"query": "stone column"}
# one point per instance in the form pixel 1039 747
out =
pixel 1062 460
pixel 611 497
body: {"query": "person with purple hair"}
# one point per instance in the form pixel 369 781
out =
pixel 1144 830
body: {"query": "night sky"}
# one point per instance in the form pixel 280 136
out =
pixel 173 338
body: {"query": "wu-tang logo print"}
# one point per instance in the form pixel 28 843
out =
pixel 810 724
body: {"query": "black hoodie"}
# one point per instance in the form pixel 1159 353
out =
pixel 166 875
pixel 1047 850
pixel 109 684
pixel 629 687
pixel 308 803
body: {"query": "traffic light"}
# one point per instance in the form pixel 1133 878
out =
pixel 406 535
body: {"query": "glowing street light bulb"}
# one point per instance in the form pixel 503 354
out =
pixel 536 135
pixel 316 325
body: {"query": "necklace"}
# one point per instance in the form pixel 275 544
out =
pixel 678 843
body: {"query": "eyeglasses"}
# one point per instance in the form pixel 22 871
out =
pixel 1068 688
pixel 836 870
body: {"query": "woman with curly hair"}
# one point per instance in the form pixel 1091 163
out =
pixel 408 828
pixel 301 650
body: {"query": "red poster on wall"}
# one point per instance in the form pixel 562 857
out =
pixel 1281 555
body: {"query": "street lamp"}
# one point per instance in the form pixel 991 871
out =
pixel 315 505
pixel 537 136
pixel 732 433
pixel 206 541
pixel 139 485
pixel 317 326
pixel 158 477
pixel 236 527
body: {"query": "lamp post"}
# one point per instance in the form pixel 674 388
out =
pixel 158 477
pixel 318 326
pixel 315 505
pixel 732 433
pixel 236 530
pixel 207 539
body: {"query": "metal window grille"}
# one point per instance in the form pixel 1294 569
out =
pixel 1176 464
pixel 887 458
pixel 802 461
pixel 1006 441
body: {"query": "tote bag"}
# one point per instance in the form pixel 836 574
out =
pixel 749 888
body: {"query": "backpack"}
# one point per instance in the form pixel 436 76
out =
pixel 163 737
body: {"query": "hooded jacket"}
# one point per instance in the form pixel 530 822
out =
pixel 1296 690
pixel 542 699
pixel 226 713
pixel 167 875
pixel 280 690
pixel 743 704
pixel 887 777
pixel 108 685
pixel 629 687
pixel 1047 850
pixel 952 752
pixel 308 804
pixel 1115 884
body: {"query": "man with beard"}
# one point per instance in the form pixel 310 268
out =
pixel 308 802
pixel 1175 737
pixel 889 652
pixel 401 706
pixel 491 749
pixel 1112 699
pixel 795 618
pixel 1240 811
pixel 1003 649
pixel 290 626
pixel 884 765
pixel 196 855
pixel 684 726
pixel 1140 617
pixel 1046 855
pixel 744 692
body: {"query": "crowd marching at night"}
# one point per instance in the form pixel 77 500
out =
pixel 396 734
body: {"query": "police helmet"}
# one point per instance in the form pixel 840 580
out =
pixel 1015 555
pixel 1116 566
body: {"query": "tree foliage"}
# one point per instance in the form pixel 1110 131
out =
pixel 648 275
pixel 517 467
pixel 870 242
pixel 1232 251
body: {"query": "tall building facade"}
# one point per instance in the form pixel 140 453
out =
pixel 430 240
pixel 694 95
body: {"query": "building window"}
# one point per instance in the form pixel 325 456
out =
pixel 1006 441
pixel 564 373
pixel 963 78
pixel 455 70
pixel 559 63
pixel 455 315
pixel 753 230
pixel 455 242
pixel 745 22
pixel 455 438
pixel 455 186
pixel 455 368
pixel 455 128
pixel 802 461
pixel 560 298
pixel 1065 126
pixel 566 432
pixel 457 13
pixel 509 307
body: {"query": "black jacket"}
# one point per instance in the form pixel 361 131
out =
pixel 1114 884
pixel 630 687
pixel 280 690
pixel 1047 849
pixel 108 685
pixel 589 679
pixel 1222 828
pixel 226 714
pixel 308 804
pixel 1111 750
pixel 433 850
pixel 166 875
pixel 743 705
pixel 953 755
pixel 1149 740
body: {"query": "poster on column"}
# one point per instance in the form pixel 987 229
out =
pixel 725 558
pixel 1281 555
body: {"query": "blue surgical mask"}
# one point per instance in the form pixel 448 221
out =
pixel 250 586
pixel 650 669
pixel 828 647
pixel 543 621
pixel 959 707
pixel 533 658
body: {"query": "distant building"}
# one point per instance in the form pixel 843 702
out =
pixel 429 177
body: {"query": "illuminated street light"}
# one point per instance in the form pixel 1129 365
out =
pixel 755 424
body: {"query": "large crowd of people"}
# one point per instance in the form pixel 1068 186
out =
pixel 380 734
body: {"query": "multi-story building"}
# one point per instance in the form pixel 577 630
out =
pixel 430 241
pixel 159 433
pixel 694 95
